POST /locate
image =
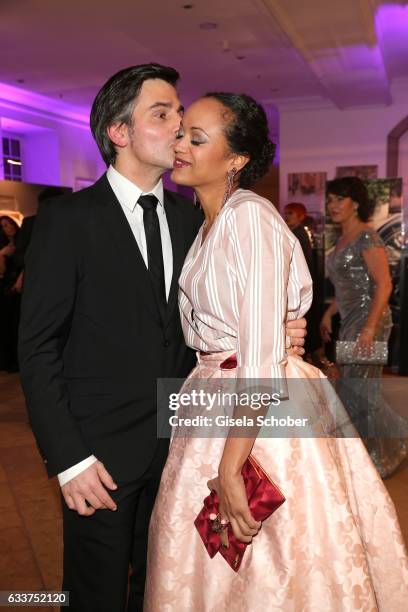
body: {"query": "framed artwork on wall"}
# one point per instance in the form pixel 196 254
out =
pixel 309 188
pixel 364 172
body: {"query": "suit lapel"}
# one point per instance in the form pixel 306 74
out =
pixel 129 252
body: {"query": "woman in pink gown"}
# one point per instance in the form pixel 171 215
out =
pixel 335 544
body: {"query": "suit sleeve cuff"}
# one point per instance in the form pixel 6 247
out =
pixel 76 469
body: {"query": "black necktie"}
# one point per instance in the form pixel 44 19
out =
pixel 154 247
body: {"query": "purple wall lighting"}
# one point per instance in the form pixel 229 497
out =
pixel 391 24
pixel 15 98
pixel 55 137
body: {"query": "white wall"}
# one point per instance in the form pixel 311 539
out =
pixel 58 145
pixel 41 157
pixel 79 155
pixel 318 140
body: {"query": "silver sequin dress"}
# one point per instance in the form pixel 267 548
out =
pixel 360 385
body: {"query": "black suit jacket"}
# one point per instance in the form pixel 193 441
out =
pixel 92 340
pixel 23 240
pixel 303 237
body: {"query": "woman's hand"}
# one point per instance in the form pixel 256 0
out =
pixel 233 507
pixel 326 327
pixel 365 341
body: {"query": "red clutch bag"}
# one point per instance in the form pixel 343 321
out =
pixel 264 497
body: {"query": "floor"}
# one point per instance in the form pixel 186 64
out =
pixel 30 516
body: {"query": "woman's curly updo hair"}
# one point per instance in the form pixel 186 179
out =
pixel 354 188
pixel 247 133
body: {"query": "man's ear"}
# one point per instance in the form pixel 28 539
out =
pixel 239 161
pixel 118 134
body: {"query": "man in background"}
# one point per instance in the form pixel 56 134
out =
pixel 295 216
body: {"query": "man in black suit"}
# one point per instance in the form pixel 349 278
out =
pixel 100 324
pixel 295 214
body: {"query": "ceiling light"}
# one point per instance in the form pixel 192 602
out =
pixel 208 25
pixel 13 162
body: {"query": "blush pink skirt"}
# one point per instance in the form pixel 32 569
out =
pixel 334 546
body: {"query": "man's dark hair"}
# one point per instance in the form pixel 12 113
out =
pixel 115 101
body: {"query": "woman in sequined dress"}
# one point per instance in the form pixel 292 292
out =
pixel 358 268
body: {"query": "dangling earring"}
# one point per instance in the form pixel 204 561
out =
pixel 230 184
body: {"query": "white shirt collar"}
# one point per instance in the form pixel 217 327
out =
pixel 127 192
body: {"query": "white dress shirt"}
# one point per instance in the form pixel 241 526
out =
pixel 128 194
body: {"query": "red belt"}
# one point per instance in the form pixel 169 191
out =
pixel 228 364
